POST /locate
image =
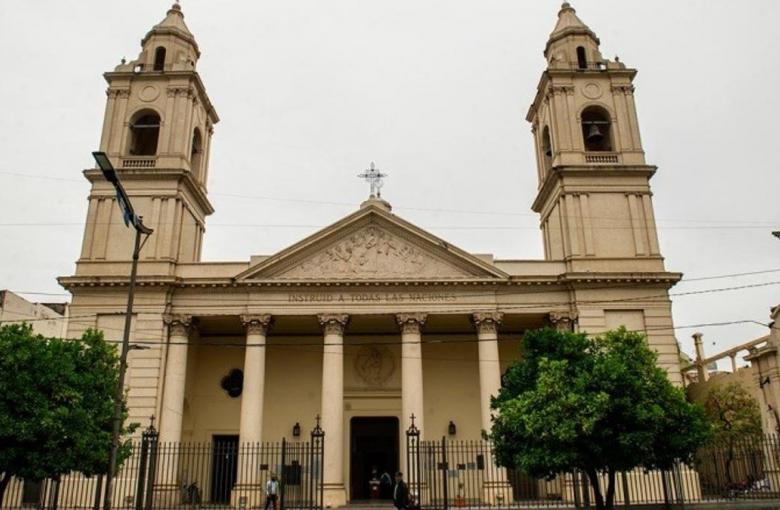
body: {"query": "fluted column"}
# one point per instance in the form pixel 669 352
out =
pixel 489 366
pixel 333 326
pixel 411 367
pixel 175 378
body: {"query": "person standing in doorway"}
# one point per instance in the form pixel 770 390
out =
pixel 400 492
pixel 271 491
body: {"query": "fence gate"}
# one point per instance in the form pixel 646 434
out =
pixel 220 474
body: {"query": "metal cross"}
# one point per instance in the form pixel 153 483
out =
pixel 374 178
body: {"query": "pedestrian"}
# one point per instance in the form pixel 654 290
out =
pixel 271 491
pixel 400 492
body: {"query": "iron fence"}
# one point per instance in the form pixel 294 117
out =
pixel 218 474
pixel 445 474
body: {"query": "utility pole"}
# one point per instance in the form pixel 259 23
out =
pixel 140 229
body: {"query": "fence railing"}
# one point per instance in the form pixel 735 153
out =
pixel 445 473
pixel 217 474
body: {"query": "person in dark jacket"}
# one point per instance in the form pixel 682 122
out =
pixel 400 492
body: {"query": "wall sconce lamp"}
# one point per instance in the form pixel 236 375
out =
pixel 452 429
pixel 297 430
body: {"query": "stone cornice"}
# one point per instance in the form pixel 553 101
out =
pixel 558 173
pixel 581 279
pixel 569 74
pixel 565 280
pixel 155 76
pixel 94 176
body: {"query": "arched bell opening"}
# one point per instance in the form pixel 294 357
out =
pixel 596 130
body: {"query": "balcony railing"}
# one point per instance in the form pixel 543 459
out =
pixel 139 162
pixel 601 158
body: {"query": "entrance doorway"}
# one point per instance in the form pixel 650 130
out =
pixel 224 465
pixel 374 452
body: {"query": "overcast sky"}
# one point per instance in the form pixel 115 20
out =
pixel 436 92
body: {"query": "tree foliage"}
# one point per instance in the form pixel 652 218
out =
pixel 600 405
pixel 56 404
pixel 736 423
pixel 733 413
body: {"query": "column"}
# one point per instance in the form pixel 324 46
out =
pixel 496 491
pixel 698 344
pixel 411 389
pixel 175 377
pixel 248 491
pixel 563 321
pixel 411 372
pixel 489 366
pixel 167 490
pixel 251 425
pixel 333 326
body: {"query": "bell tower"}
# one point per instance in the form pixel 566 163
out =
pixel 594 193
pixel 157 132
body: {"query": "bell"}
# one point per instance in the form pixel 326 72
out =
pixel 595 136
pixel 548 152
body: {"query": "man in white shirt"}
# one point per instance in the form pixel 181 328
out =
pixel 271 491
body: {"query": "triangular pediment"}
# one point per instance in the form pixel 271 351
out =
pixel 372 244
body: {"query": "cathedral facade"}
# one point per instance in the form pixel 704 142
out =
pixel 370 320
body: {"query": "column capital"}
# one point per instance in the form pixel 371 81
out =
pixel 411 322
pixel 333 323
pixel 487 322
pixel 562 321
pixel 178 325
pixel 256 324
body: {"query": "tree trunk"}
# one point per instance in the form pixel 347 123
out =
pixel 4 481
pixel 610 503
pixel 594 482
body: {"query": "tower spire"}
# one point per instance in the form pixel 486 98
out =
pixel 173 25
pixel 569 25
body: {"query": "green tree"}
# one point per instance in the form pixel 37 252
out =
pixel 55 404
pixel 600 405
pixel 736 421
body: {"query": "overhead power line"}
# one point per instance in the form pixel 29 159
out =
pixel 723 222
pixel 483 228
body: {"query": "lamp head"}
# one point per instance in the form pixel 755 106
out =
pixel 101 158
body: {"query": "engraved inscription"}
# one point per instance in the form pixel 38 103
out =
pixel 372 297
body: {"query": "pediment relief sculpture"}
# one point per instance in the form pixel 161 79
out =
pixel 373 252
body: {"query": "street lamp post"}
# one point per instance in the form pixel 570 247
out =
pixel 140 229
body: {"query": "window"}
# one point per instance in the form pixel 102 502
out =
pixel 596 129
pixel 159 59
pixel 582 59
pixel 196 155
pixel 144 133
